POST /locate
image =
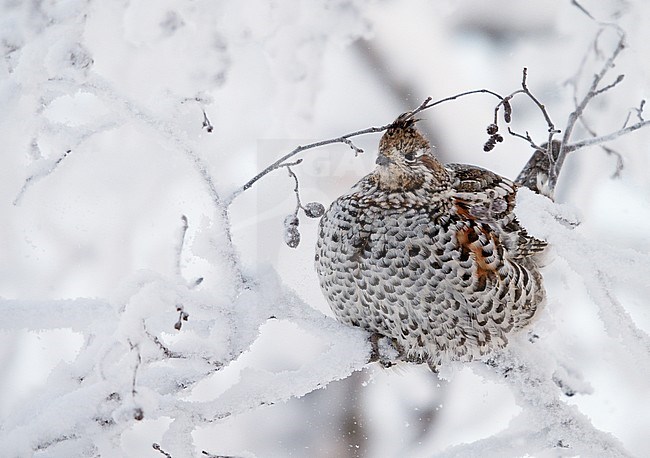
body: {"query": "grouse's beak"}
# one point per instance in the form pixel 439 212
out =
pixel 382 160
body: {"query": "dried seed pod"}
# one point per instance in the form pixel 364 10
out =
pixel 138 413
pixel 492 129
pixel 291 236
pixel 507 111
pixel 291 220
pixel 497 138
pixel 314 209
pixel 489 145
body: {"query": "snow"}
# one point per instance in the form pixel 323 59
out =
pixel 112 197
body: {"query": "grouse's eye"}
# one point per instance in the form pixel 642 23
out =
pixel 410 157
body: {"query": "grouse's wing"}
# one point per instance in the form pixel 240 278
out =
pixel 485 198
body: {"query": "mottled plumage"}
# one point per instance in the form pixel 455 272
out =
pixel 430 256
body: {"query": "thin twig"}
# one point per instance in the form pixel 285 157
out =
pixel 581 8
pixel 540 105
pixel 138 413
pixel 551 127
pixel 296 189
pixel 457 96
pixel 505 103
pixel 639 111
pixel 356 149
pixel 619 160
pixel 280 162
pixel 138 361
pixel 36 176
pixel 603 138
pixel 423 106
pixel 210 455
pixel 526 137
pixel 207 125
pixel 345 139
pixel 608 150
pixel 165 350
pixel 609 86
pixel 556 165
pixel 159 448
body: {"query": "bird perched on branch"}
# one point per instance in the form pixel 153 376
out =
pixel 428 255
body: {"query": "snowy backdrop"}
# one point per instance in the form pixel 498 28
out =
pixel 148 313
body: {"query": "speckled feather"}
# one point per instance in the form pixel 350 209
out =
pixel 430 256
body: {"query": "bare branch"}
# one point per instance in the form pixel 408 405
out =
pixel 608 150
pixel 541 106
pixel 457 96
pixel 281 162
pixel 556 165
pixel 639 113
pixel 603 138
pixel 423 106
pixel 296 188
pixel 581 8
pixel 507 115
pixel 346 139
pixel 526 137
pixel 551 127
pixel 619 160
pixel 609 86
pixel 356 149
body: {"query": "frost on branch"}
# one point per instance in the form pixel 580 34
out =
pixel 152 349
pixel 134 365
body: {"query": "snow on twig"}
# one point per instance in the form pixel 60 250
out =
pixel 128 370
pixel 547 425
pixel 600 267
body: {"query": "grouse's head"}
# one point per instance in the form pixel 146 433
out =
pixel 405 160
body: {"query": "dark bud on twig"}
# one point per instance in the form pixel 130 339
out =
pixel 489 145
pixel 492 129
pixel 291 233
pixel 507 111
pixel 314 209
pixel 138 414
pixel 207 125
pixel 497 138
pixel 182 316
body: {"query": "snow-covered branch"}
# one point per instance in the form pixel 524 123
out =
pixel 166 346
